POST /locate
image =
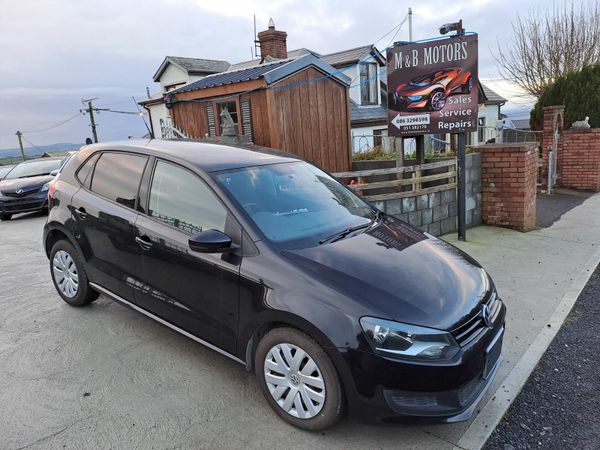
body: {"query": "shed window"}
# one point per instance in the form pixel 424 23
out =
pixel 368 83
pixel 232 108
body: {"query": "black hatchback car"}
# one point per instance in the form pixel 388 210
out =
pixel 270 261
pixel 25 187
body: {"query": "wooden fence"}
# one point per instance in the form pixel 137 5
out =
pixel 424 179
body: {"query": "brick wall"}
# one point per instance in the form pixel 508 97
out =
pixel 508 185
pixel 580 159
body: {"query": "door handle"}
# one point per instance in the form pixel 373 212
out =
pixel 144 242
pixel 81 213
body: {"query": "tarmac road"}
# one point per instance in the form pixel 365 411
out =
pixel 559 407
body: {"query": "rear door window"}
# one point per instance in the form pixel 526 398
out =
pixel 117 177
pixel 181 199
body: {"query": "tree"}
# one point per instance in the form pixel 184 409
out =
pixel 551 43
pixel 578 91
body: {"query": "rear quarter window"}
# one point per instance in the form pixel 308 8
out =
pixel 84 173
pixel 117 177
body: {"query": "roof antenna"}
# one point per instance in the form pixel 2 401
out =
pixel 256 42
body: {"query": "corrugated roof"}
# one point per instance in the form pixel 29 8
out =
pixel 347 56
pixel 271 72
pixel 230 77
pixel 292 54
pixel 492 97
pixel 367 113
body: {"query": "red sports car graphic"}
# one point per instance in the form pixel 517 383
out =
pixel 430 92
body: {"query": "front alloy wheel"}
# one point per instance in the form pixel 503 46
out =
pixel 298 379
pixel 294 381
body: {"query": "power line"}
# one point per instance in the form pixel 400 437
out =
pixel 53 126
pixel 32 144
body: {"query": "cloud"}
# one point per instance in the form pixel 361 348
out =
pixel 54 52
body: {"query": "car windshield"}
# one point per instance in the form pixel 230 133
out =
pixel 33 168
pixel 295 203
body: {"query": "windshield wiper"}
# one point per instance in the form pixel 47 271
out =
pixel 342 234
pixel 377 216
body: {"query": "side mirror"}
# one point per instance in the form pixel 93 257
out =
pixel 54 172
pixel 210 241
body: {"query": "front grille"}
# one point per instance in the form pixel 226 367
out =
pixel 22 194
pixel 475 326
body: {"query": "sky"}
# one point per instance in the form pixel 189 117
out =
pixel 54 53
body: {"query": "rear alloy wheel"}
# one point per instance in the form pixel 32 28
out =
pixel 4 217
pixel 68 275
pixel 298 379
pixel 437 100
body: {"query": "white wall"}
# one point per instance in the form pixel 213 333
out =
pixel 173 75
pixel 158 112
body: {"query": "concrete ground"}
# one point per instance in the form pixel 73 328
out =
pixel 105 376
pixel 551 208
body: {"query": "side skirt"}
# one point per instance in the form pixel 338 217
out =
pixel 114 296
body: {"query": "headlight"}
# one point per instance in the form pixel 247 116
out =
pixel 45 187
pixel 394 339
pixel 415 97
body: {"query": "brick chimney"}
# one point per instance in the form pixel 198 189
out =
pixel 273 43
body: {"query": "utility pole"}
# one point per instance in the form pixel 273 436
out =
pixel 90 111
pixel 19 135
pixel 410 33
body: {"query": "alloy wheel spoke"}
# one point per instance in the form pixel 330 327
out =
pixel 278 381
pixel 309 367
pixel 300 410
pixel 289 399
pixel 315 382
pixel 279 360
pixel 310 407
pixel 297 360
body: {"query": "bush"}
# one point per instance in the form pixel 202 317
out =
pixel 578 91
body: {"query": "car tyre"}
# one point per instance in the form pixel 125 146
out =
pixel 308 376
pixel 4 217
pixel 69 275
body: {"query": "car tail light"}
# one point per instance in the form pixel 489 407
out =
pixel 51 191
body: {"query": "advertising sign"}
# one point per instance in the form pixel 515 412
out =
pixel 433 87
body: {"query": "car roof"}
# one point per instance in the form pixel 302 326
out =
pixel 207 156
pixel 49 158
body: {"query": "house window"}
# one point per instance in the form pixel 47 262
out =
pixel 378 137
pixel 232 108
pixel 368 83
pixel 481 130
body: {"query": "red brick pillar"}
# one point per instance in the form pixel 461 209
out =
pixel 553 120
pixel 508 185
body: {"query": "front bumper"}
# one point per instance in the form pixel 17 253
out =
pixel 382 389
pixel 29 203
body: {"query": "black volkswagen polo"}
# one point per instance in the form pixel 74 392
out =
pixel 270 261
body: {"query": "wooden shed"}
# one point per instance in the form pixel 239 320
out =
pixel 299 106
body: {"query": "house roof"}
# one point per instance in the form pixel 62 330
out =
pixel 364 114
pixel 292 54
pixel 270 72
pixel 192 65
pixel 521 124
pixel 351 56
pixel 491 96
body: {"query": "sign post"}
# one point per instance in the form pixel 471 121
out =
pixel 433 89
